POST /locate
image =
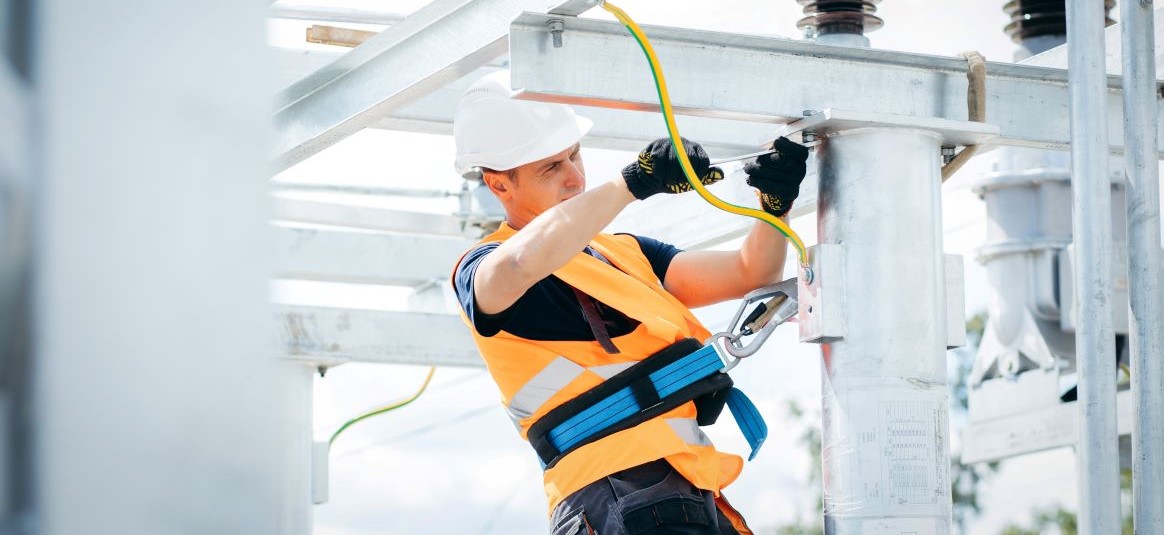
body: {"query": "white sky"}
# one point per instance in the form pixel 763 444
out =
pixel 451 462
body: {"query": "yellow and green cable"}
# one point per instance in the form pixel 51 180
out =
pixel 386 408
pixel 673 132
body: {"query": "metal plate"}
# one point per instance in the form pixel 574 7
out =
pixel 821 309
pixel 832 121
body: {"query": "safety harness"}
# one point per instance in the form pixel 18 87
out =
pixel 684 371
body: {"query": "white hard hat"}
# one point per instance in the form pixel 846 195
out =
pixel 494 131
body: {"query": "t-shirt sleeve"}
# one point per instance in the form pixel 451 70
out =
pixel 659 254
pixel 486 324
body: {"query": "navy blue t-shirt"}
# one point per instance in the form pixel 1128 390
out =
pixel 549 310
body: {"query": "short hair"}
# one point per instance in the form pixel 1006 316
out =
pixel 510 173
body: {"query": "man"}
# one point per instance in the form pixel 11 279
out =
pixel 558 309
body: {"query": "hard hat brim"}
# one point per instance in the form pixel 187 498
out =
pixel 560 139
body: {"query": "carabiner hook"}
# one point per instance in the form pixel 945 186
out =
pixel 760 323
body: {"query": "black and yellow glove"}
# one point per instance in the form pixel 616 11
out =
pixel 658 170
pixel 778 176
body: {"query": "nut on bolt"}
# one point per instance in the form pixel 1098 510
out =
pixel 947 153
pixel 557 26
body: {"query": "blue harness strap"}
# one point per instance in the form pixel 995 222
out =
pixel 667 382
pixel 748 419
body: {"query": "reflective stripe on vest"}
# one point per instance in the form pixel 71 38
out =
pixel 535 376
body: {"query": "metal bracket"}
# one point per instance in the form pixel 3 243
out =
pixel 830 121
pixel 822 305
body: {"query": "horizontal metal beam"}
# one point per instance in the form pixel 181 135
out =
pixel 330 336
pixel 333 14
pixel 362 217
pixel 613 129
pixel 441 42
pixel 1043 429
pixel 775 80
pixel 365 257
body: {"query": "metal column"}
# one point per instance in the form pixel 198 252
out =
pixel 15 270
pixel 160 405
pixel 1098 449
pixel 885 418
pixel 1145 273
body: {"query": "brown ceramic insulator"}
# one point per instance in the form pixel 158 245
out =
pixel 840 16
pixel 1036 18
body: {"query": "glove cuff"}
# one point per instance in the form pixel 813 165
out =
pixel 775 205
pixel 635 182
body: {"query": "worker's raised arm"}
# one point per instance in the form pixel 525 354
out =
pixel 700 278
pixel 551 230
pixel 545 244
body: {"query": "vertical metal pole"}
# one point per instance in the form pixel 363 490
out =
pixel 1145 273
pixel 1098 449
pixel 16 269
pixel 885 450
pixel 160 404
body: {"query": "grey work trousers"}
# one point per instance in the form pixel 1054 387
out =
pixel 648 499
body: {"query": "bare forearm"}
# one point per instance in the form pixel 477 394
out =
pixel 700 278
pixel 762 254
pixel 545 244
pixel 555 236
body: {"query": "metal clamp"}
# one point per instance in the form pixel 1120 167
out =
pixel 779 306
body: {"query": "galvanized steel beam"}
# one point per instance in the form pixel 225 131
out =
pixel 441 42
pixel 362 217
pixel 365 257
pixel 775 80
pixel 330 336
pixel 1045 428
pixel 613 129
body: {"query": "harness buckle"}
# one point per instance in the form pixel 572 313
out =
pixel 720 342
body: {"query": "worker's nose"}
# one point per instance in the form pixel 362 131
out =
pixel 576 177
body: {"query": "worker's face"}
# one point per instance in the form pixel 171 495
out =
pixel 538 186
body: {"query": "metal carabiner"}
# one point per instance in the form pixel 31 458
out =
pixel 780 306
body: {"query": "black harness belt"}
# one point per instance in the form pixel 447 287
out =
pixel 681 372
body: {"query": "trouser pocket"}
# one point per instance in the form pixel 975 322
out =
pixel 575 524
pixel 678 515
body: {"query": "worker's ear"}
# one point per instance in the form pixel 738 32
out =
pixel 498 182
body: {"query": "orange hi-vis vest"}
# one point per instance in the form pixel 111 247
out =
pixel 535 376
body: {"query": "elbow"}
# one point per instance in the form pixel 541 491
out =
pixel 518 267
